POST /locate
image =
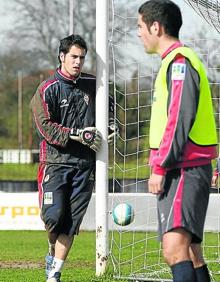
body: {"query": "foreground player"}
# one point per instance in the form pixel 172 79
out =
pixel 182 140
pixel 64 113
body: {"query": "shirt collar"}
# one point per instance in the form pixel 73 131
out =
pixel 171 48
pixel 71 79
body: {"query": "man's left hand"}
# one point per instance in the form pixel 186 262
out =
pixel 113 131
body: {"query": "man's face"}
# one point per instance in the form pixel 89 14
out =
pixel 147 36
pixel 72 62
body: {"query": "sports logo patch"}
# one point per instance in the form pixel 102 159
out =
pixel 48 198
pixel 162 217
pixel 64 103
pixel 88 136
pixel 86 99
pixel 178 71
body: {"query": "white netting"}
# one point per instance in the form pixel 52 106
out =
pixel 208 9
pixel 135 251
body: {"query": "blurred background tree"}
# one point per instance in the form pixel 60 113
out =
pixel 30 51
pixel 30 48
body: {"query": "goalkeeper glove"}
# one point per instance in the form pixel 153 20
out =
pixel 113 131
pixel 88 136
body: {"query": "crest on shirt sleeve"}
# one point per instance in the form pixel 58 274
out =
pixel 178 71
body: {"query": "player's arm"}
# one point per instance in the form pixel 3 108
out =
pixel 43 108
pixel 181 110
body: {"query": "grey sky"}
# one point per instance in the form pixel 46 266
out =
pixel 190 18
pixel 6 17
pixel 191 21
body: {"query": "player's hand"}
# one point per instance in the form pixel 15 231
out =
pixel 214 180
pixel 156 184
pixel 89 136
pixel 113 131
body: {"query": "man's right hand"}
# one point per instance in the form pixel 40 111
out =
pixel 214 182
pixel 89 136
pixel 156 184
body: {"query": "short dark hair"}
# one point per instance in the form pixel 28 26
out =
pixel 67 42
pixel 166 12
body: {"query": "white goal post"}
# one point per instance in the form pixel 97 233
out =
pixel 102 75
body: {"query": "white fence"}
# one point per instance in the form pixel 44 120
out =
pixel 23 156
pixel 19 211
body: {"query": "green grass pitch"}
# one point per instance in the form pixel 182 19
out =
pixel 22 257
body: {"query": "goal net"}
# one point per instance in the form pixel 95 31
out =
pixel 134 249
pixel 208 10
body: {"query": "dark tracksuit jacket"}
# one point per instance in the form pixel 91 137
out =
pixel 59 105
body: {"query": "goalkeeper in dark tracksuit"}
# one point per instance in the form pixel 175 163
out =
pixel 64 113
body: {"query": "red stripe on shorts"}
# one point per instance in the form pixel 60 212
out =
pixel 40 178
pixel 177 207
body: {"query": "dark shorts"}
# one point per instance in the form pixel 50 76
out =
pixel 64 195
pixel 185 200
